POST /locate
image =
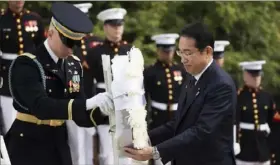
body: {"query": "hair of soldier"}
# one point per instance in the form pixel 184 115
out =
pixel 200 33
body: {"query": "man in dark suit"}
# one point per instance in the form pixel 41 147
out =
pixel 201 133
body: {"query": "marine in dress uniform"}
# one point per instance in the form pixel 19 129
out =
pixel 47 90
pixel 163 81
pixel 80 141
pixel 113 45
pixel 20 31
pixel 254 115
pixel 219 50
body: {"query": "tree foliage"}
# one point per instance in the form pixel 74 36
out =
pixel 251 27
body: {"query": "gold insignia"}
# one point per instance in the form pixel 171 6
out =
pixel 76 58
pixel 265 107
pixel 158 83
pixel 244 108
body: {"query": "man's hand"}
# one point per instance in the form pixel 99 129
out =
pixel 104 101
pixel 140 155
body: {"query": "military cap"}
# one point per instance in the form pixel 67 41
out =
pixel 84 7
pixel 71 23
pixel 166 41
pixel 113 16
pixel 219 48
pixel 252 67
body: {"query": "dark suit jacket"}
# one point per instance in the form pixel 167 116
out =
pixel 202 131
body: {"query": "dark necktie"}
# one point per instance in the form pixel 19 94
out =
pixel 60 64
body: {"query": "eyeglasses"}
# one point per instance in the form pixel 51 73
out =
pixel 185 53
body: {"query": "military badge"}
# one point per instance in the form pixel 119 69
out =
pixel 31 26
pixel 177 76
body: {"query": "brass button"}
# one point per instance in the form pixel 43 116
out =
pixel 239 135
pixel 65 90
pixel 256 121
pixel 255 111
pixel 19 27
pixel 170 97
pixel 20 39
pixel 170 92
pixel 273 155
pixel 84 53
pixel 4 67
pixel 254 100
pixel 83 46
pixel 167 70
pixel 50 90
pixel 244 108
pixel 170 86
pixel 82 41
pixel 20 52
pixel 112 44
pixel 168 75
pixel 32 35
pixel 7 37
pixel 256 117
pixel 18 20
pixel 253 94
pixel 19 33
pixel 21 46
pixel 255 106
pixel 158 83
pixel 155 112
pixel 116 50
pixel 21 135
pixel 169 81
pixel 265 107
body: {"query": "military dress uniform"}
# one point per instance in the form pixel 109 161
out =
pixel 19 33
pixel 47 91
pixel 255 109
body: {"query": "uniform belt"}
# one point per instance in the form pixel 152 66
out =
pixel 250 126
pixel 32 119
pixel 9 56
pixel 164 106
pixel 100 85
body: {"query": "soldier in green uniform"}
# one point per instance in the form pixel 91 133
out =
pixel 113 45
pixel 163 81
pixel 20 31
pixel 254 115
pixel 47 90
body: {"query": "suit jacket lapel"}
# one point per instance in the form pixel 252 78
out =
pixel 194 92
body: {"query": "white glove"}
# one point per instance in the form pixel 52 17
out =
pixel 103 100
pixel 237 149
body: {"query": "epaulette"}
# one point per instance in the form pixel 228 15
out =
pixel 239 91
pixel 29 55
pixel 76 58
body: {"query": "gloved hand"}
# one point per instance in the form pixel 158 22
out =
pixel 102 100
pixel 237 149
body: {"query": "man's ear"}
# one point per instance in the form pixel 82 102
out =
pixel 209 50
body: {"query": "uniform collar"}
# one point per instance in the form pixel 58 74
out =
pixel 51 53
pixel 197 77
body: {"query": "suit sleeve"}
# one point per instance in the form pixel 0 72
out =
pixel 29 91
pixel 217 108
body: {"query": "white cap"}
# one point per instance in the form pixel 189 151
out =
pixel 165 39
pixel 111 14
pixel 219 46
pixel 252 65
pixel 84 7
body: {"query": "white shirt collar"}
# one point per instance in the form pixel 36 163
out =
pixel 51 53
pixel 197 77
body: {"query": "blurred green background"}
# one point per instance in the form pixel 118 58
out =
pixel 251 27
